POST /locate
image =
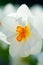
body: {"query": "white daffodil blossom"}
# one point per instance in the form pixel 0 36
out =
pixel 1 16
pixel 40 58
pixel 37 10
pixel 1 13
pixel 3 38
pixel 25 40
pixel 38 24
pixel 38 19
pixel 9 8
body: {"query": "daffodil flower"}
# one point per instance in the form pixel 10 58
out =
pixel 24 39
pixel 38 19
pixel 9 8
pixel 38 24
pixel 37 10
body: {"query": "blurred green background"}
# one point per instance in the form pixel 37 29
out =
pixel 28 2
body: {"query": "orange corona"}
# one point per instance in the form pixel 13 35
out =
pixel 23 32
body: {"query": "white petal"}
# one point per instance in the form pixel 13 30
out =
pixel 15 47
pixel 40 57
pixel 12 15
pixel 19 19
pixel 2 35
pixel 1 13
pixel 37 22
pixel 37 10
pixel 9 8
pixel 3 38
pixel 24 12
pixel 9 24
pixel 35 42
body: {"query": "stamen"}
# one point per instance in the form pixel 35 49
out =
pixel 19 38
pixel 23 32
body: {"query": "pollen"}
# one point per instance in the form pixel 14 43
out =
pixel 23 32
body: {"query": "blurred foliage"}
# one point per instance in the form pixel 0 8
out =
pixel 28 2
pixel 30 60
pixel 3 2
pixel 4 55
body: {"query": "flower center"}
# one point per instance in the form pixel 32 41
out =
pixel 23 32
